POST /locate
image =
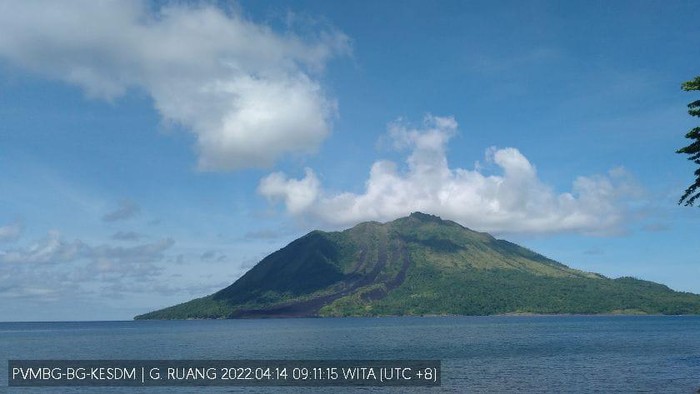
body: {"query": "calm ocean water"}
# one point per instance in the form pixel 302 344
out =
pixel 657 354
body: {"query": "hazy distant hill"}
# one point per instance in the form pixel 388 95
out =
pixel 421 265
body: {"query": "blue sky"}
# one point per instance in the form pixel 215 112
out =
pixel 153 152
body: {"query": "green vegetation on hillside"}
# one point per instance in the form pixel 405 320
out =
pixel 421 265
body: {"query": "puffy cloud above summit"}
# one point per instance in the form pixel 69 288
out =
pixel 249 94
pixel 514 201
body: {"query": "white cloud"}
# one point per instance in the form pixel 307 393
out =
pixel 10 232
pixel 248 93
pixel 298 195
pixel 514 201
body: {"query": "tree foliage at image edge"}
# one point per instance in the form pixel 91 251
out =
pixel 693 149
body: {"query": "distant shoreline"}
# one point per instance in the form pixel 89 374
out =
pixel 364 317
pixel 516 314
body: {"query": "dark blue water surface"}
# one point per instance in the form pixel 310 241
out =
pixel 657 354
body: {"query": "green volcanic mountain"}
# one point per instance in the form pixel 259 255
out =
pixel 421 265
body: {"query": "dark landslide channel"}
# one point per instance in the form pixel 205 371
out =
pixel 310 308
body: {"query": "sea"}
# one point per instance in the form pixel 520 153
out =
pixel 495 354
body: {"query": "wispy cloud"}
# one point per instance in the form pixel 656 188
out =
pixel 134 261
pixel 594 252
pixel 515 201
pixel 656 227
pixel 509 63
pixel 127 236
pixel 52 249
pixel 249 94
pixel 212 255
pixel 126 209
pixel 10 232
pixel 54 267
pixel 267 234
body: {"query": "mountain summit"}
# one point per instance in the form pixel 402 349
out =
pixel 418 265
